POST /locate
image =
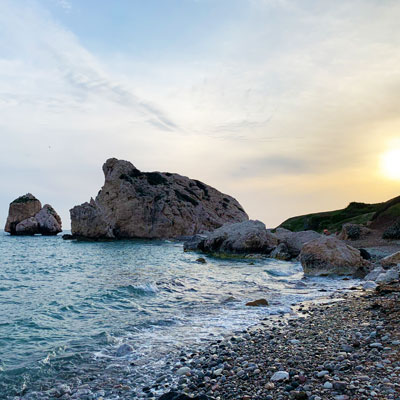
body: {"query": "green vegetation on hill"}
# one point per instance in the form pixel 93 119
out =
pixel 357 213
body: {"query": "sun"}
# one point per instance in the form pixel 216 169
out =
pixel 390 164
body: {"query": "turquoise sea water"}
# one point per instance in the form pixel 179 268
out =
pixel 66 306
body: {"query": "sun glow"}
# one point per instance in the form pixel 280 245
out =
pixel 390 164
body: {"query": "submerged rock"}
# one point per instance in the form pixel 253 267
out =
pixel 257 303
pixel 135 204
pixel 27 217
pixel 331 256
pixel 240 238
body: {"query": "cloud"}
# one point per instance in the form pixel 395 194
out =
pixel 283 95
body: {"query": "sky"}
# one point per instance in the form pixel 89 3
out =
pixel 290 106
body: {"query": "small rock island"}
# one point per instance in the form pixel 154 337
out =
pixel 26 216
pixel 136 204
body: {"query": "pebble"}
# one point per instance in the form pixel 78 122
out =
pixel 183 371
pixel 280 376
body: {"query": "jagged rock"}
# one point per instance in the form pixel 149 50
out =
pixel 135 204
pixel 393 259
pixel 353 232
pixel 240 238
pixel 21 209
pixel 49 221
pixel 28 226
pixel 295 241
pixel 27 217
pixel 329 255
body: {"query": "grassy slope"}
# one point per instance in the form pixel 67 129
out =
pixel 359 213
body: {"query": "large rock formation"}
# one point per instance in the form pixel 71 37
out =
pixel 331 256
pixel 27 217
pixel 240 238
pixel 135 204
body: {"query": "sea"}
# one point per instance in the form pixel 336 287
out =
pixel 72 312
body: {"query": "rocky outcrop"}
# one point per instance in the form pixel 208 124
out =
pixel 27 217
pixel 136 204
pixel 294 241
pixel 353 232
pixel 240 238
pixel 20 209
pixel 331 256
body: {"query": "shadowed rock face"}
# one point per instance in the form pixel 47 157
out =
pixel 27 217
pixel 135 204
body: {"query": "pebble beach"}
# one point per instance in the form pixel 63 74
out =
pixel 346 348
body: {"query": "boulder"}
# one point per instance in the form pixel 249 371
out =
pixel 240 238
pixel 393 259
pixel 49 221
pixel 353 232
pixel 28 226
pixel 136 204
pixel 330 256
pixel 27 217
pixel 21 209
pixel 295 241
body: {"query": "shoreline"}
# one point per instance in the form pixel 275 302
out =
pixel 340 350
